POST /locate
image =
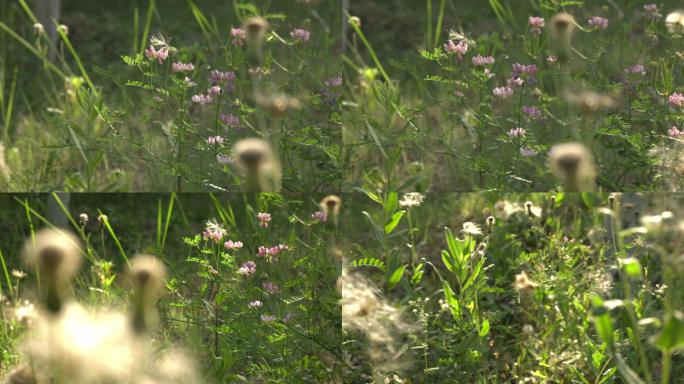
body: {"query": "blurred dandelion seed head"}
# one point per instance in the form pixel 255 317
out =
pixel 574 165
pixel 55 252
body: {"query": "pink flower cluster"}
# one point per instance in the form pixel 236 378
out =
pixel 264 219
pixel 181 67
pixel 480 60
pixel 300 34
pixel 459 49
pixel 517 132
pixel 532 112
pixel 502 92
pixel 636 69
pixel 271 288
pixel 213 232
pixel 159 55
pixel 230 120
pixel 536 24
pixel 215 140
pixel 677 100
pixel 334 82
pixel 270 253
pixel 652 12
pixel 524 70
pixel 528 152
pixel 247 269
pixel 319 216
pixel 238 35
pixel 215 90
pixel 598 22
pixel 675 133
pixel 515 82
pixel 232 245
pixel 221 77
pixel 202 99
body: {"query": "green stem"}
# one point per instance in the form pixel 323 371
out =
pixel 667 367
pixel 429 25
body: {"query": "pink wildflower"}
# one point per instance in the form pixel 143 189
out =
pixel 300 34
pixel 271 288
pixel 528 152
pixel 517 132
pixel 232 245
pixel 536 24
pixel 459 49
pixel 218 76
pixel 230 120
pixel 532 112
pixel 215 90
pixel 264 219
pixel 319 216
pixel 181 67
pixel 677 100
pixel 238 35
pixel 159 55
pixel 215 140
pixel 202 99
pixel 247 269
pixel 480 60
pixel 675 133
pixel 502 92
pixel 598 22
pixel 334 82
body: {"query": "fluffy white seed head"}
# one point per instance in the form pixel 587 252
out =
pixel 256 161
pixel 574 165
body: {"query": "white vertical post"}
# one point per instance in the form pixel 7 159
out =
pixel 55 214
pixel 345 24
pixel 48 12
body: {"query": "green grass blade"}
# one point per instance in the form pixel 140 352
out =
pixel 148 23
pixel 6 273
pixel 169 214
pixel 81 68
pixel 105 222
pixel 32 49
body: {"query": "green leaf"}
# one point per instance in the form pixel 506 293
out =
pixel 391 203
pixel 484 330
pixel 448 261
pixel 632 267
pixel 377 231
pixel 454 306
pixel 396 277
pixel 394 221
pixel 672 335
pixel 369 262
pixel 418 274
pixel 602 320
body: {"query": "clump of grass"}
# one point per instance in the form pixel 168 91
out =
pixel 532 288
